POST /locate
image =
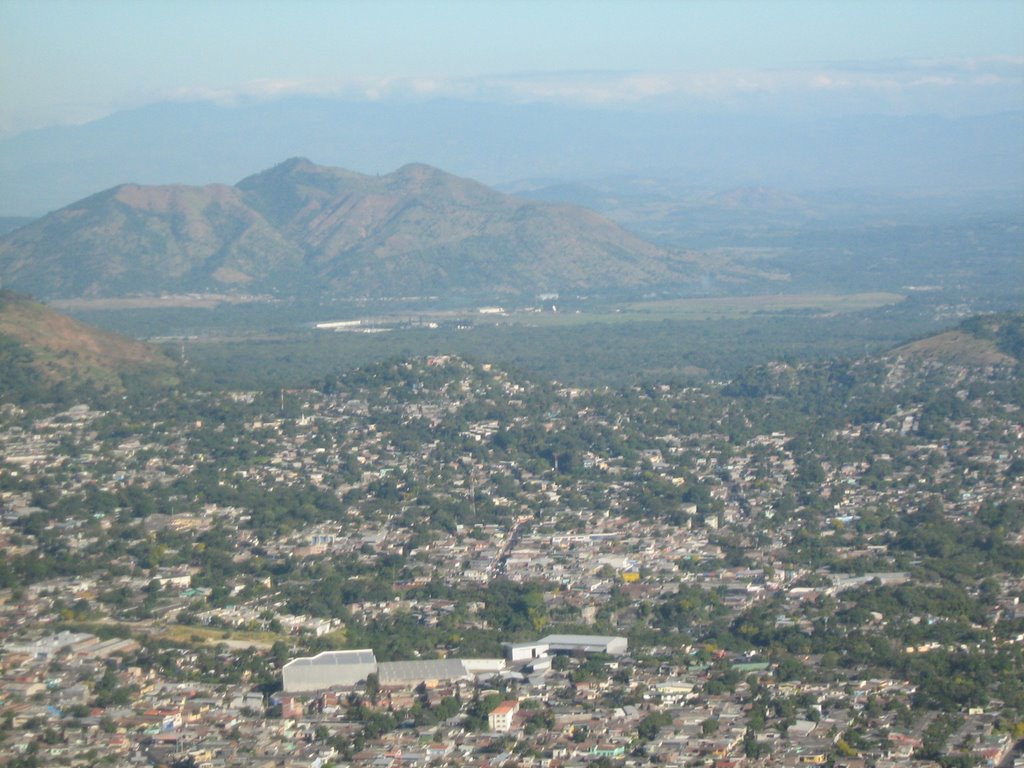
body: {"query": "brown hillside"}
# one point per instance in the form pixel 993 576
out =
pixel 65 349
pixel 957 347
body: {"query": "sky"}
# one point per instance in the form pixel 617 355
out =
pixel 67 61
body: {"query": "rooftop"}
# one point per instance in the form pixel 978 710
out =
pixel 420 670
pixel 362 656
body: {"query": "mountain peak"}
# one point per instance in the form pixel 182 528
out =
pixel 418 171
pixel 295 163
pixel 757 198
pixel 289 167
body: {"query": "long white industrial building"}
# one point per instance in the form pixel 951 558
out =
pixel 345 669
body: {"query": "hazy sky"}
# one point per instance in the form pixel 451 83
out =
pixel 69 61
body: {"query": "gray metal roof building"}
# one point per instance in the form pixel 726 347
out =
pixel 330 669
pixel 403 673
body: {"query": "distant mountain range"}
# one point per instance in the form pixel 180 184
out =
pixel 202 142
pixel 300 227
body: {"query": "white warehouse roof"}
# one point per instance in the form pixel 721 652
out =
pixel 328 658
pixel 329 669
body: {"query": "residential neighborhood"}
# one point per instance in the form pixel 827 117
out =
pixel 739 567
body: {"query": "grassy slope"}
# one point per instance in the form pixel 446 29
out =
pixel 64 349
pixel 958 347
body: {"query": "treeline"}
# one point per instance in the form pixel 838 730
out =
pixel 596 353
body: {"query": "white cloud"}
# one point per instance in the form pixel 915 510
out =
pixel 952 86
pixel 906 78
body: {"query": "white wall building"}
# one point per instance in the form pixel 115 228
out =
pixel 500 718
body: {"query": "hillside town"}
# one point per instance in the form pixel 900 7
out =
pixel 819 564
pixel 511 384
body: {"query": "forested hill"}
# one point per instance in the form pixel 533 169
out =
pixel 300 228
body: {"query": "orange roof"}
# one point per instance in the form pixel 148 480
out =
pixel 505 707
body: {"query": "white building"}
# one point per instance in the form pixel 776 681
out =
pixel 500 718
pixel 609 644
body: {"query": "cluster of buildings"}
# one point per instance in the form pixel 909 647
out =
pixel 660 513
pixel 337 669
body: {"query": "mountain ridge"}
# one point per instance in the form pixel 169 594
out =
pixel 298 225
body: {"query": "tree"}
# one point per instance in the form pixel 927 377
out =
pixel 709 727
pixel 279 652
pixel 753 748
pixel 647 729
pixel 373 687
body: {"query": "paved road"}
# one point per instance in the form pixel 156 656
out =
pixel 1017 751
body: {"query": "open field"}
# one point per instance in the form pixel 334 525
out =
pixel 186 634
pixel 716 308
pixel 233 638
pixel 582 311
pixel 183 633
pixel 165 301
